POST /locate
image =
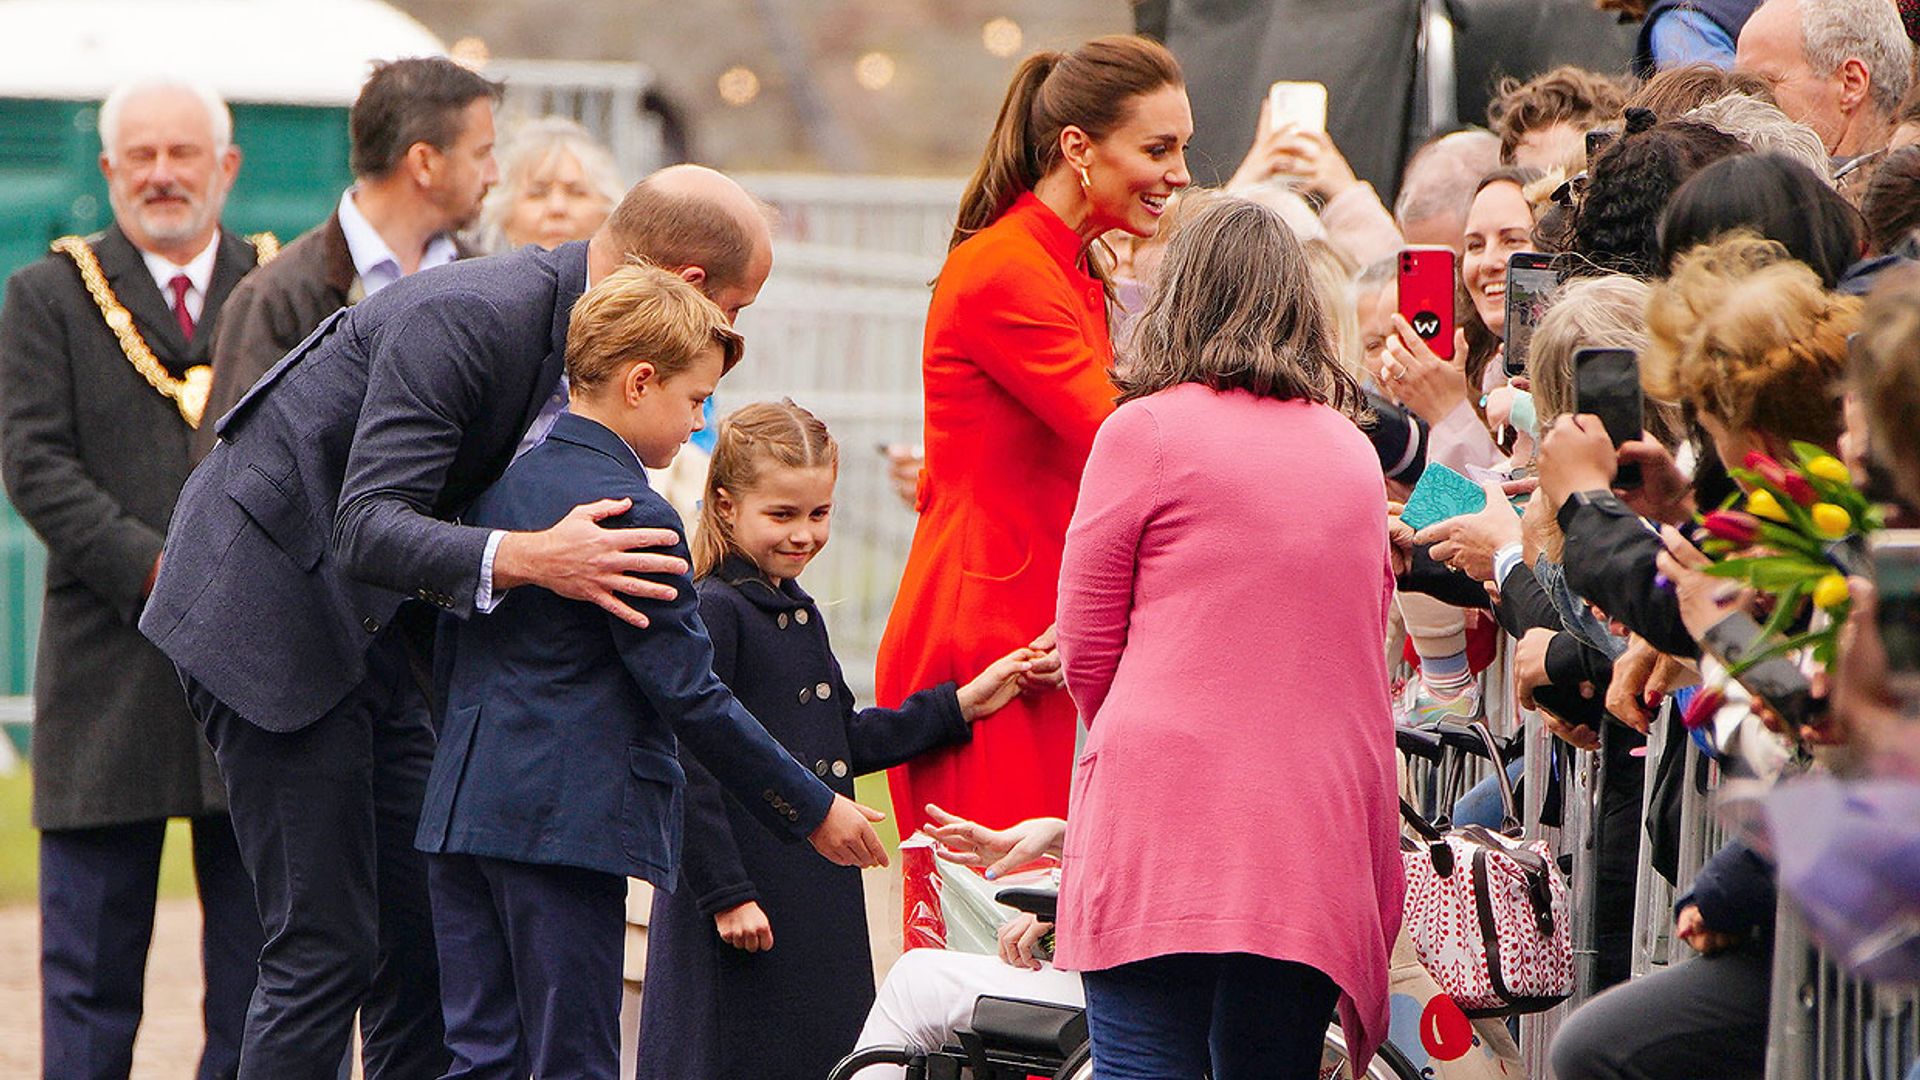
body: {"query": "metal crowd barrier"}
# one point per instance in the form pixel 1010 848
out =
pixel 1827 1026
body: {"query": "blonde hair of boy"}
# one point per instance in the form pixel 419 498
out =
pixel 1748 336
pixel 751 438
pixel 641 312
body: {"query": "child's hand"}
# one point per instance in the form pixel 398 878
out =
pixel 997 685
pixel 847 838
pixel 745 927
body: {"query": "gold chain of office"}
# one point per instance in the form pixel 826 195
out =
pixel 187 392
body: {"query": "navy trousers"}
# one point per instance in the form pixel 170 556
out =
pixel 97 889
pixel 1175 1017
pixel 530 962
pixel 325 818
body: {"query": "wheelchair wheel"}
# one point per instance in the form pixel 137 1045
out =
pixel 877 1055
pixel 1388 1062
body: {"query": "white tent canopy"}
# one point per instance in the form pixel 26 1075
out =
pixel 305 52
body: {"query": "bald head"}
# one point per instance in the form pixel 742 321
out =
pixel 1439 183
pixel 699 223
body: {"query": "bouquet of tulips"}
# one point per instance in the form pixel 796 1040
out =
pixel 1781 543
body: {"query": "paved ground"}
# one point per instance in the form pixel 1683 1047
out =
pixel 169 1043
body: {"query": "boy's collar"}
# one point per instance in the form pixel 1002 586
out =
pixel 573 428
pixel 740 572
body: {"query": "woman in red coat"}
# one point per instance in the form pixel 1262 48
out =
pixel 1016 359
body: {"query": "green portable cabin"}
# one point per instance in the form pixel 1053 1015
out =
pixel 288 69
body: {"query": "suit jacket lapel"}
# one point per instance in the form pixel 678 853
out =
pixel 569 266
pixel 127 274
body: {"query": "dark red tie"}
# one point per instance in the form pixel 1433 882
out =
pixel 180 284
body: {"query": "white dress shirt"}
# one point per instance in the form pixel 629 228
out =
pixel 199 271
pixel 373 260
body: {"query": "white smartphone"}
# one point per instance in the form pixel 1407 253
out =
pixel 1299 104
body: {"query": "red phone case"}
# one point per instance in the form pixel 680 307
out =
pixel 1426 296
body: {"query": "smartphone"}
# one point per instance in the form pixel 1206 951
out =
pixel 1297 104
pixel 1426 295
pixel 1531 282
pixel 1775 681
pixel 1895 556
pixel 1606 383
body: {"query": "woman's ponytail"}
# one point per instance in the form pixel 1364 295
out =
pixel 1010 165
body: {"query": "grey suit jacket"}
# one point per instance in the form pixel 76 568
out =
pixel 93 459
pixel 334 493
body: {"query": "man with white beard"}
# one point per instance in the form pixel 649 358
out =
pixel 103 354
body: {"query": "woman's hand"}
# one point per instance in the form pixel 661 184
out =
pixel 1691 928
pixel 1019 937
pixel 1704 599
pixel 1420 380
pixel 999 684
pixel 1001 851
pixel 745 927
pixel 1628 690
pixel 1045 672
pixel 1576 455
pixel 1399 540
pixel 1665 493
pixel 1468 542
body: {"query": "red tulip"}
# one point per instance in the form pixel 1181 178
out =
pixel 1798 489
pixel 1740 528
pixel 1770 470
pixel 1701 709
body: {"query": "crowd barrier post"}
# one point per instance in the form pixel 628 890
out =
pixel 1825 1025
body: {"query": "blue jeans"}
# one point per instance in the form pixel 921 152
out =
pixel 1481 805
pixel 1174 1017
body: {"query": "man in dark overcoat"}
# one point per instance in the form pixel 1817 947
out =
pixel 422 141
pixel 99 346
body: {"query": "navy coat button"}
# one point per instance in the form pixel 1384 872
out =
pixel 820 769
pixel 781 621
pixel 801 616
pixel 823 691
pixel 370 624
pixel 793 815
pixel 840 769
pixel 769 795
pixel 806 694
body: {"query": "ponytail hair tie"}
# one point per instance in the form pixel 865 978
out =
pixel 1639 120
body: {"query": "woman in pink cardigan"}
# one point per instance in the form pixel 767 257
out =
pixel 1231 868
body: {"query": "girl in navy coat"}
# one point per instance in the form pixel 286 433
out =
pixel 757 965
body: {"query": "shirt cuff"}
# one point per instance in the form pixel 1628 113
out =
pixel 484 599
pixel 1504 560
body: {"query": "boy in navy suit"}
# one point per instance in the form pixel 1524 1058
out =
pixel 557 774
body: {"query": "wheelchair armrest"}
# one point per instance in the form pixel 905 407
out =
pixel 1417 742
pixel 1040 901
pixel 1029 1027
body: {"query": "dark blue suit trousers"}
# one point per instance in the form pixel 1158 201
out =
pixel 325 818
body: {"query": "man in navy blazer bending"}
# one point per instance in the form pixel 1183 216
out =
pixel 310 555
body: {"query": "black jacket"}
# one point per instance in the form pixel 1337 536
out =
pixel 1610 553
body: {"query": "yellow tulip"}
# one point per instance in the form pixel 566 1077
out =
pixel 1763 504
pixel 1829 468
pixel 1831 592
pixel 1831 521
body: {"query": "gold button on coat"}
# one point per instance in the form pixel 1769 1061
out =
pixel 824 691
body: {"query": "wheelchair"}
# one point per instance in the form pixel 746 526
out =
pixel 1009 1039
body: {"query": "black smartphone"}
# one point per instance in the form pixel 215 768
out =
pixel 1606 383
pixel 1784 687
pixel 1895 556
pixel 1532 281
